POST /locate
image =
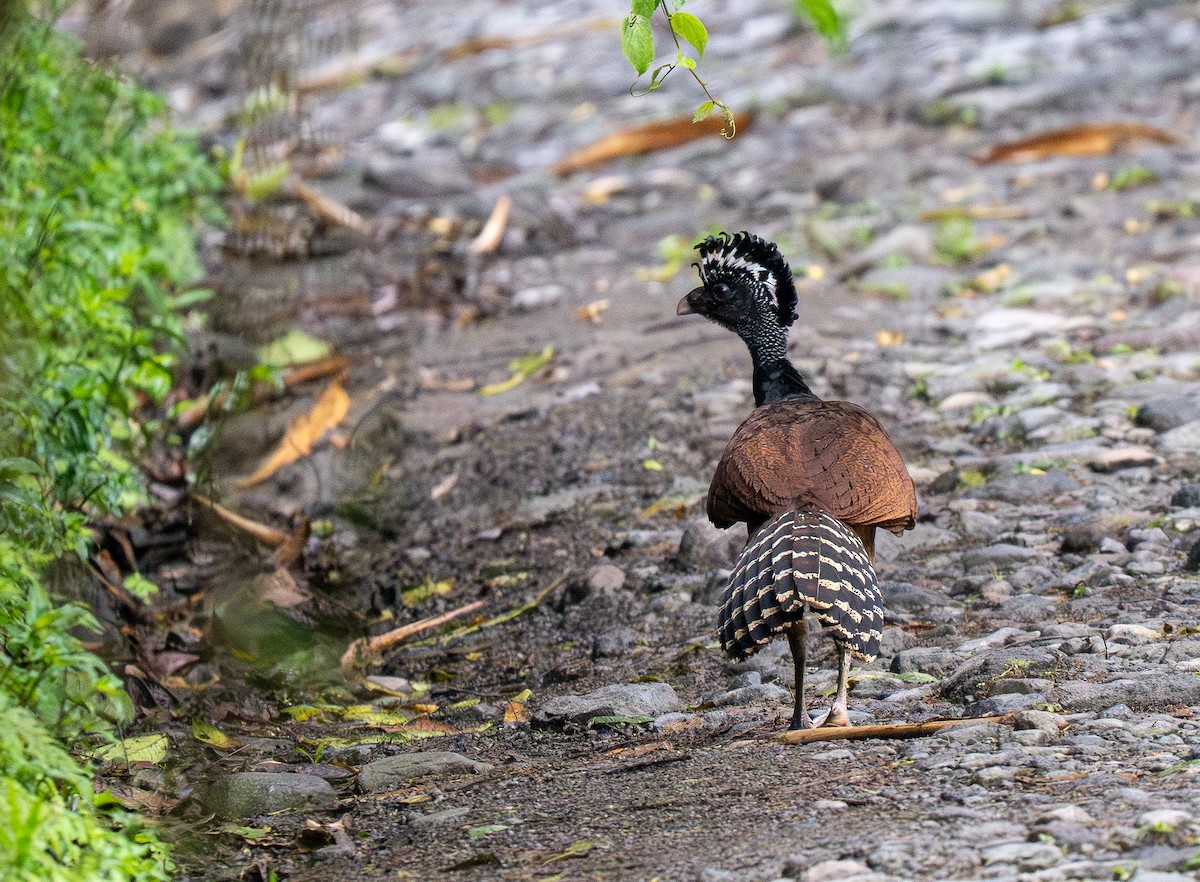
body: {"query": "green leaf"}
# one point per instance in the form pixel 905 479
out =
pixel 637 42
pixel 486 830
pixel 689 63
pixel 620 721
pixel 659 74
pixel 644 8
pixel 704 111
pixel 826 19
pixel 691 29
pixel 210 734
pixel 143 749
pixel 19 465
pixel 295 347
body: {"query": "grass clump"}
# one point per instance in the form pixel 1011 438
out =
pixel 98 199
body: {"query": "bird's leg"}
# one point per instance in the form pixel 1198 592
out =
pixel 838 713
pixel 797 641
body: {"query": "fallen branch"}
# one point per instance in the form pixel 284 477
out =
pixel 892 731
pixel 489 237
pixel 325 208
pixel 369 649
pixel 261 532
pixel 317 369
pixel 507 615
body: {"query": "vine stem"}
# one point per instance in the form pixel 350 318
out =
pixel 730 128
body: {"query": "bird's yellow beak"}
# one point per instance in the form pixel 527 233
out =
pixel 684 307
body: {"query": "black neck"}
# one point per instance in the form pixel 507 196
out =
pixel 777 379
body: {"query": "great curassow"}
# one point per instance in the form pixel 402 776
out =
pixel 811 479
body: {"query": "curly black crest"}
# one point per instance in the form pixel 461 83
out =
pixel 725 255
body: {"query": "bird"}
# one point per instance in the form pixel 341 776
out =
pixel 812 480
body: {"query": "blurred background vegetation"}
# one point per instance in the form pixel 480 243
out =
pixel 98 203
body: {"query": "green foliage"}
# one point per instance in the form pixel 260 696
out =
pixel 637 43
pixel 1131 176
pixel 826 19
pixel 97 204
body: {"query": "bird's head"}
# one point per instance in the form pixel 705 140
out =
pixel 746 285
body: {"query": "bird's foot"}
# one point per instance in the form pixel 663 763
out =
pixel 801 721
pixel 835 716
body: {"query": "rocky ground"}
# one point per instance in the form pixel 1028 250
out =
pixel 1028 333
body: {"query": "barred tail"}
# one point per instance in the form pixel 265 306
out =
pixel 801 558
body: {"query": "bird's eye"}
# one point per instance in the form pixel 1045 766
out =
pixel 720 290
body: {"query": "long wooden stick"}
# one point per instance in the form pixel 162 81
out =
pixel 365 650
pixel 261 532
pixel 894 730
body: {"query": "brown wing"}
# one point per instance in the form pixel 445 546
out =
pixel 827 455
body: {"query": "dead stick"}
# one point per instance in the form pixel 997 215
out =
pixel 367 649
pixel 855 733
pixel 264 534
pixel 505 616
pixel 489 237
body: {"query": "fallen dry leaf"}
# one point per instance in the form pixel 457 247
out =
pixel 645 139
pixel 1084 140
pixel 477 45
pixel 593 311
pixel 304 432
pixel 515 713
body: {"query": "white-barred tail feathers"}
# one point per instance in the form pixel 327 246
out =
pixel 799 559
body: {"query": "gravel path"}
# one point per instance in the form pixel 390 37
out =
pixel 1028 333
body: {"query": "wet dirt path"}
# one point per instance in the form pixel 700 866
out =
pixel 1027 332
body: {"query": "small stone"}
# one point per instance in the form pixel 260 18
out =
pixel 1067 814
pixel 394 771
pixel 990 641
pixel 704 546
pixel 605 578
pixel 830 805
pixel 1168 412
pixel 429 173
pixel 716 874
pixel 1114 459
pixel 923 659
pixel 1024 856
pixel 1192 564
pixel 537 297
pixel 762 692
pixel 1187 496
pixel 1133 635
pixel 965 401
pixel 1027 608
pixel 614 643
pixel 1005 703
pixel 995 775
pixel 747 678
pixel 1164 820
pixel 1085 535
pixel 622 700
pixel 250 794
pixel 832 871
pixel 1031 737
pixel 996 591
pixel 1043 721
pixel 1000 555
pixel 445 816
pixel 1185 439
